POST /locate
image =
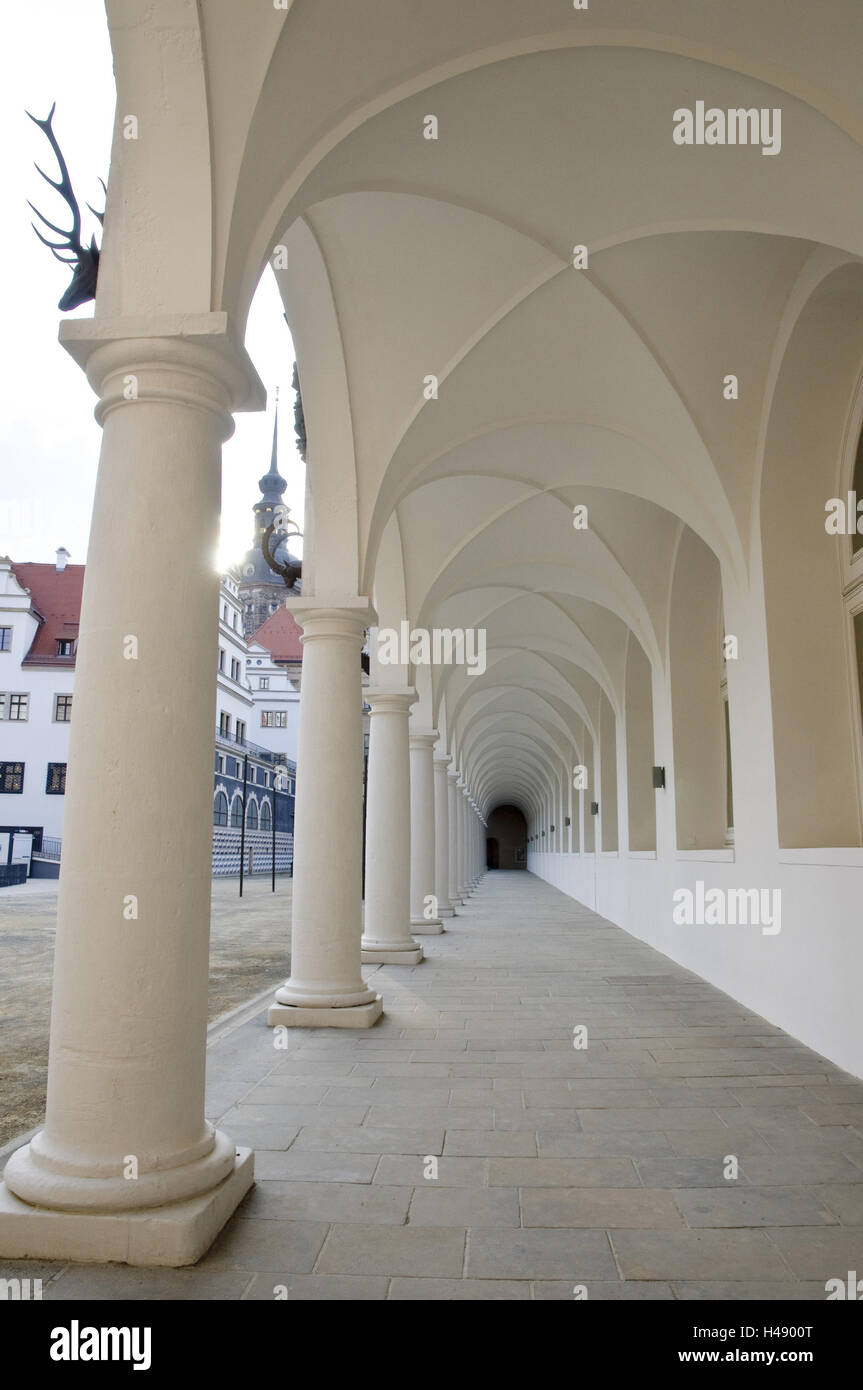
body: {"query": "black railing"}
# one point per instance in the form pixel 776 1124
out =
pixel 50 848
pixel 254 750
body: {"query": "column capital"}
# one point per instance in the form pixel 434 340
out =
pixel 443 762
pixel 453 776
pixel 425 739
pixel 187 359
pixel 384 701
pixel 326 617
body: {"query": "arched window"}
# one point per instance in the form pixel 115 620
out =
pixel 220 809
pixel 237 812
pixel 266 817
pixel 252 815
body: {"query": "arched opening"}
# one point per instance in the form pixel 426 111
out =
pixel 813 456
pixel 266 817
pixel 220 809
pixel 237 812
pixel 506 838
pixel 252 816
pixel 700 779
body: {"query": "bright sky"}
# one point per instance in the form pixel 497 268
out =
pixel 49 440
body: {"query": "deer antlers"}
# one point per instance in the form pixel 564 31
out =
pixel 85 259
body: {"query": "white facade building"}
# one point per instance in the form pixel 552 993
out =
pixel 39 611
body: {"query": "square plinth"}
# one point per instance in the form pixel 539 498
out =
pixel 303 1016
pixel 424 928
pixel 381 956
pixel 174 1235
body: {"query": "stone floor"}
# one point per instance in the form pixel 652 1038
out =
pixel 556 1167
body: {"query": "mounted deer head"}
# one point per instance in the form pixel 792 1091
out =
pixel 85 259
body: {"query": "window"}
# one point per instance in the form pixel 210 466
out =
pixel 241 731
pixel 11 777
pixel 225 725
pixel 14 706
pixel 235 669
pixel 266 817
pixel 274 719
pixel 62 708
pixel 221 658
pixel 224 613
pixel 237 812
pixel 65 646
pixel 264 683
pixel 252 815
pixel 220 767
pixel 5 639
pixel 220 809
pixel 55 783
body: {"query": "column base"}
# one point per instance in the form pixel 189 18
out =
pixel 446 912
pixel 422 927
pixel 325 1016
pixel 390 955
pixel 173 1235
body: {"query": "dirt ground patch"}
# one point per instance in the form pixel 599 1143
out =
pixel 249 952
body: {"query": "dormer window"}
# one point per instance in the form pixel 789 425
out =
pixel 65 646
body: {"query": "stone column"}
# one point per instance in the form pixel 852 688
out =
pixel 386 936
pixel 463 852
pixel 452 802
pixel 423 834
pixel 126 1167
pixel 326 988
pixel 441 838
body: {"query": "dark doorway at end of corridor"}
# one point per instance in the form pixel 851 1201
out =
pixel 506 839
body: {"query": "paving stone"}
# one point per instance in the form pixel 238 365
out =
pixel 751 1206
pixel 467 1143
pixel 686 1172
pixel 109 1283
pixel 559 1143
pixel 459 1206
pixel 600 1208
pixel 366 1203
pixel 576 1255
pixel 389 1250
pixel 311 1288
pixel 784 1170
pixel 313 1166
pixel 661 1118
pixel 821 1253
pixel 404 1170
pixel 846 1202
pixel 603 1291
pixel 250 1244
pixel 365 1139
pixel 696 1255
pixel 555 1172
pixel 460 1290
pixel 718 1291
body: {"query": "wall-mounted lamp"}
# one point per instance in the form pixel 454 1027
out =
pixel 594 808
pixel 552 830
pixel 659 777
pixel 567 821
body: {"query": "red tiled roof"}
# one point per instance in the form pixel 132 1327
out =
pixel 56 596
pixel 281 636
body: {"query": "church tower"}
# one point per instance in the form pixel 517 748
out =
pixel 261 590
